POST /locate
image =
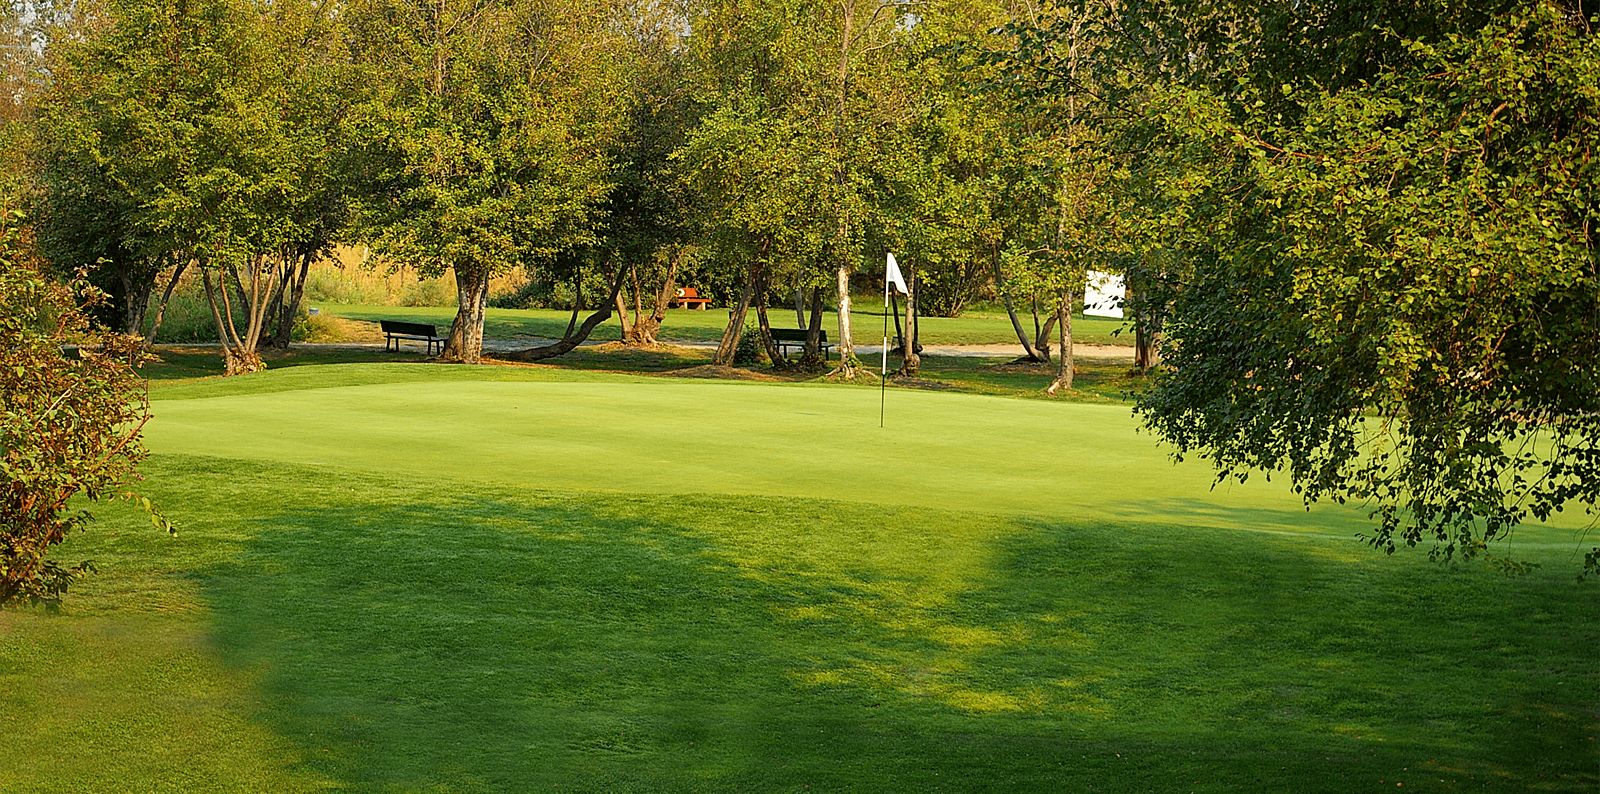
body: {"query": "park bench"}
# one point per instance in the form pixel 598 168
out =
pixel 395 330
pixel 689 298
pixel 796 337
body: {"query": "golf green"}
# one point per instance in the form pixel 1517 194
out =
pixel 658 435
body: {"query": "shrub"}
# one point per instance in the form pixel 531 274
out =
pixel 748 351
pixel 533 294
pixel 69 425
pixel 429 292
pixel 335 285
pixel 315 328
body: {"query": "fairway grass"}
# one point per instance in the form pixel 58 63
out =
pixel 397 578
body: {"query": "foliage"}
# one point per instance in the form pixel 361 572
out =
pixel 1375 250
pixel 179 133
pixel 69 425
pixel 483 141
pixel 748 351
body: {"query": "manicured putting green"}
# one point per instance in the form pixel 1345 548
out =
pixel 659 435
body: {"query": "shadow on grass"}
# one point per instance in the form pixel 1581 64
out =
pixel 515 641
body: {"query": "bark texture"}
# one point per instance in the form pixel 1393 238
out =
pixel 1064 362
pixel 465 344
pixel 910 362
pixel 574 336
pixel 730 335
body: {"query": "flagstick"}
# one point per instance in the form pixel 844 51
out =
pixel 883 368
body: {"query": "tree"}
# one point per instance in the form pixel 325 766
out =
pixel 485 143
pixel 170 140
pixel 69 426
pixel 1381 273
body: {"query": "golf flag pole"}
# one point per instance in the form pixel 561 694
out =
pixel 891 278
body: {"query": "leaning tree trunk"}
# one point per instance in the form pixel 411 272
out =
pixel 1064 362
pixel 767 342
pixel 730 335
pixel 1011 310
pixel 294 293
pixel 1043 343
pixel 577 301
pixel 811 358
pixel 573 337
pixel 465 344
pixel 161 308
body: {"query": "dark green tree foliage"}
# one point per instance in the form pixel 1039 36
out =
pixel 485 137
pixel 1380 227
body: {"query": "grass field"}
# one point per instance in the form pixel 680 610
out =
pixel 402 577
pixel 689 325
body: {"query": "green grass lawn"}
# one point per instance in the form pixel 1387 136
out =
pixel 404 577
pixel 690 325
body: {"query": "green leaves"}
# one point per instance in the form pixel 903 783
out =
pixel 1389 284
pixel 69 425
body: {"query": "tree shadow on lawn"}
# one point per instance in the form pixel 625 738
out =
pixel 516 641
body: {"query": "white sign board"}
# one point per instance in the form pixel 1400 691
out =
pixel 1103 294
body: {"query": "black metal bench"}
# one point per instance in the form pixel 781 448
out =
pixel 395 330
pixel 796 337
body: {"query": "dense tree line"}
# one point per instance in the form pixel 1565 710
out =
pixel 767 150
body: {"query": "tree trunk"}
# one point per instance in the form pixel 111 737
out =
pixel 1011 310
pixel 465 344
pixel 846 348
pixel 161 308
pixel 1146 336
pixel 1043 343
pixel 135 302
pixel 910 362
pixel 767 342
pixel 1064 362
pixel 811 358
pixel 572 339
pixel 730 335
pixel 799 307
pixel 236 359
pixel 622 309
pixel 290 308
pixel 646 328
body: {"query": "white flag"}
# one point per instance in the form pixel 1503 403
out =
pixel 892 278
pixel 1103 295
